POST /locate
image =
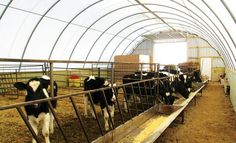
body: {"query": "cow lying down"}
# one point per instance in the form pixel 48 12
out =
pixel 100 98
pixel 37 88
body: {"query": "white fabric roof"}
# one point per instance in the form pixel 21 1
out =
pixel 92 30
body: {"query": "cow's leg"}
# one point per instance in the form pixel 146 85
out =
pixel 112 112
pixel 125 105
pixel 51 126
pixel 106 117
pixel 45 128
pixel 86 105
pixel 138 99
pixel 91 110
pixel 34 123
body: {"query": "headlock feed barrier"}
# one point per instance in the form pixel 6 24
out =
pixel 86 128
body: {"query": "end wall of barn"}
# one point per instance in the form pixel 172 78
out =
pixel 232 82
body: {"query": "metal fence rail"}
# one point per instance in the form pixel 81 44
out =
pixel 132 111
pixel 147 90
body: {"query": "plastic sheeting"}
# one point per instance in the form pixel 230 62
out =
pixel 94 30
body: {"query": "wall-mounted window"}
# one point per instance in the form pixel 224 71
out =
pixel 170 52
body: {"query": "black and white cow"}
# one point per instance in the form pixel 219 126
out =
pixel 37 88
pixel 143 88
pixel 197 76
pixel 91 83
pixel 186 80
pixel 178 83
pixel 166 90
pixel 180 88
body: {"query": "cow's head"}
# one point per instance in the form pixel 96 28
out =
pixel 189 81
pixel 110 93
pixel 36 86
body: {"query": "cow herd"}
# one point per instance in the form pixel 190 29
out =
pixel 163 86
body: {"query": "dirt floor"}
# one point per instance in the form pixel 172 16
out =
pixel 14 130
pixel 212 120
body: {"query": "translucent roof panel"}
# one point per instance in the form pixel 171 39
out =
pixel 97 30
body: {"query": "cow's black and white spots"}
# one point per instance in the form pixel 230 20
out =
pixel 197 76
pixel 100 98
pixel 186 80
pixel 166 90
pixel 37 88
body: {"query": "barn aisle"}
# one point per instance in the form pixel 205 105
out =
pixel 212 120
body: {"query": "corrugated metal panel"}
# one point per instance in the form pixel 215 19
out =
pixel 192 52
pixel 206 52
pixel 194 42
pixel 144 48
pixel 217 62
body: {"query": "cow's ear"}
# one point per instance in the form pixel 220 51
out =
pixel 45 83
pixel 20 85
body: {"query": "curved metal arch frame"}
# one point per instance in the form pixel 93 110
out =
pixel 211 22
pixel 63 30
pixel 207 27
pixel 229 11
pixel 169 18
pixel 140 28
pixel 198 8
pixel 181 27
pixel 138 36
pixel 5 9
pixel 138 44
pixel 178 25
pixel 187 14
pixel 182 17
pixel 122 31
pixel 124 18
pixel 232 40
pixel 36 26
pixel 191 33
pixel 128 26
pixel 89 27
pixel 214 25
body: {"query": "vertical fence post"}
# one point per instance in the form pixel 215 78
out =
pixel 99 72
pixel 51 80
pixel 112 74
pixel 17 92
pixel 141 71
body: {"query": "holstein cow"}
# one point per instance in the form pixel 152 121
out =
pixel 147 88
pixel 166 90
pixel 197 76
pixel 177 85
pixel 39 113
pixel 186 80
pixel 180 87
pixel 91 83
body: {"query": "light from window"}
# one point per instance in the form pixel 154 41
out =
pixel 170 53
